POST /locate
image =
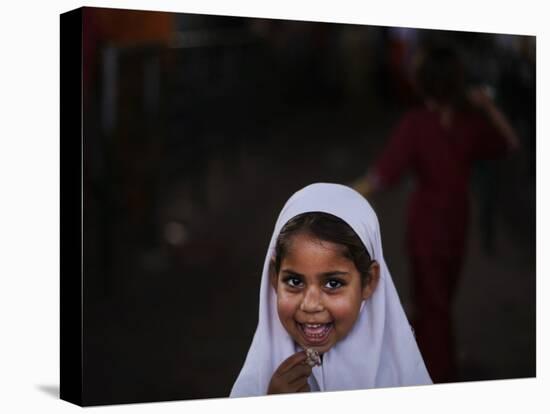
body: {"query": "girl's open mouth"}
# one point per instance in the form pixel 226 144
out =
pixel 317 333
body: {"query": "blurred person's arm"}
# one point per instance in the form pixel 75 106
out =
pixel 367 184
pixel 393 162
pixel 481 99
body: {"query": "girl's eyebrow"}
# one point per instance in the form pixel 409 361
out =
pixel 324 274
pixel 291 272
pixel 335 273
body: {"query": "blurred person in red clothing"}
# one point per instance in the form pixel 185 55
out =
pixel 437 143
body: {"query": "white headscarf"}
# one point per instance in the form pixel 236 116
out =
pixel 379 351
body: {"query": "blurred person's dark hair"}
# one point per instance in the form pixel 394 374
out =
pixel 439 75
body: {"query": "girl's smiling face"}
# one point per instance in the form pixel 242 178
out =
pixel 319 292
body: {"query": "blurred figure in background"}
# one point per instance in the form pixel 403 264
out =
pixel 438 142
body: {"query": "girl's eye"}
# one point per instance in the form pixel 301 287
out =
pixel 334 284
pixel 293 282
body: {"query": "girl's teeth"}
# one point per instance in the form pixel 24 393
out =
pixel 316 330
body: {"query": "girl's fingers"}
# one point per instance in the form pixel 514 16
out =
pixel 291 375
pixel 298 384
pixel 298 372
pixel 290 362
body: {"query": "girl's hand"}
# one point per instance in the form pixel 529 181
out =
pixel 480 97
pixel 291 376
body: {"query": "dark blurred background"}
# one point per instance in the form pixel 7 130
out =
pixel 198 128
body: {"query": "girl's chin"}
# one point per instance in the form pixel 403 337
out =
pixel 319 349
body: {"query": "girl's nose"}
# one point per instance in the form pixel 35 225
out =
pixel 311 301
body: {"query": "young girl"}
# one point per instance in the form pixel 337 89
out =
pixel 325 287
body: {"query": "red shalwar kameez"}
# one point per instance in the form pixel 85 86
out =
pixel 440 159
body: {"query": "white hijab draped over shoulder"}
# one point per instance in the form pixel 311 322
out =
pixel 379 351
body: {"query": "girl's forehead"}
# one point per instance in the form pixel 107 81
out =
pixel 304 240
pixel 311 252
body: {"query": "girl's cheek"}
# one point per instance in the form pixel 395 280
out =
pixel 286 301
pixel 343 308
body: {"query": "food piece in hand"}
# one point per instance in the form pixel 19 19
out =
pixel 313 357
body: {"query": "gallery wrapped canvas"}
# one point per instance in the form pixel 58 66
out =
pixel 183 137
